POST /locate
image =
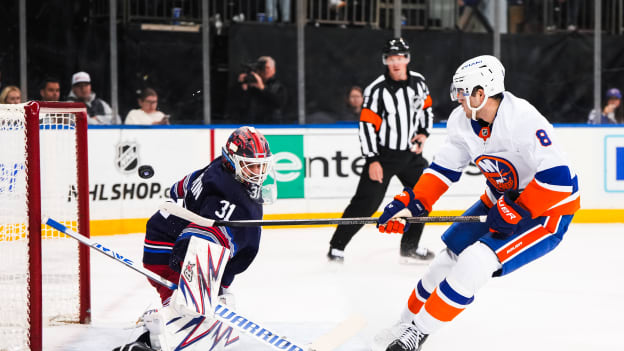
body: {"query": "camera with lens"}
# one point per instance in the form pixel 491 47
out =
pixel 248 68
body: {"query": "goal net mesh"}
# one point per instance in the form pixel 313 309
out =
pixel 59 257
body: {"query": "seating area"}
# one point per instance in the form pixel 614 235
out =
pixel 530 16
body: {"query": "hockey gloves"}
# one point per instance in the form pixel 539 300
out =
pixel 404 205
pixel 503 218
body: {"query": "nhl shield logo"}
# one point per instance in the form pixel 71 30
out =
pixel 417 102
pixel 127 156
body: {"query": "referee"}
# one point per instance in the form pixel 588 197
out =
pixel 394 124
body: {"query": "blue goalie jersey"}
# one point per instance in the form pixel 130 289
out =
pixel 210 192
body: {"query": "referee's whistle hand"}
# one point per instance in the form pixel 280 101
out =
pixel 419 143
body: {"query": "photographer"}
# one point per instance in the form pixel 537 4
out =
pixel 258 97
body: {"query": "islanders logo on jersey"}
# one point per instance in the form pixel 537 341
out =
pixel 501 174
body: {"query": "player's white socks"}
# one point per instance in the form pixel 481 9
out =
pixel 474 267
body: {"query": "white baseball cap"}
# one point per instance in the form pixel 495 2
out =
pixel 80 77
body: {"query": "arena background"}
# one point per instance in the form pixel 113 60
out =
pixel 551 68
pixel 318 165
pixel 317 171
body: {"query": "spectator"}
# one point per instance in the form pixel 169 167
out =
pixel 11 95
pixel 480 15
pixel 572 13
pixel 614 98
pixel 259 97
pixel 271 10
pixel 50 89
pixel 554 12
pixel 353 105
pixel 468 9
pixel 148 113
pixel 393 130
pixel 98 110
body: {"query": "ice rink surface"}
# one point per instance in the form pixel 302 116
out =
pixel 571 299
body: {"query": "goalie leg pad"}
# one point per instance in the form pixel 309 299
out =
pixel 200 278
pixel 196 332
pixel 189 317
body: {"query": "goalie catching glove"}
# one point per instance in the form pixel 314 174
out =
pixel 504 217
pixel 404 205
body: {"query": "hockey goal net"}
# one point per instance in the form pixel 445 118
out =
pixel 44 275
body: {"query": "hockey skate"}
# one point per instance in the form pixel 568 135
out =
pixel 153 326
pixel 141 344
pixel 410 340
pixel 415 255
pixel 384 337
pixel 335 255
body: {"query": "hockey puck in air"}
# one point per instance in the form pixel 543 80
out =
pixel 146 171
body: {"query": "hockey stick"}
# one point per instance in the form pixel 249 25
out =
pixel 337 336
pixel 183 213
pixel 110 253
pixel 327 342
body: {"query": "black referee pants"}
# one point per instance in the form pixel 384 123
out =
pixel 408 167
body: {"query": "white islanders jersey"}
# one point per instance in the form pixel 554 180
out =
pixel 519 151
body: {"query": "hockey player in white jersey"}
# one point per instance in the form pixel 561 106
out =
pixel 530 197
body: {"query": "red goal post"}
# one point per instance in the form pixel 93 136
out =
pixel 44 275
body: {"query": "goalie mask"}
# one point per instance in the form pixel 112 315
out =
pixel 486 72
pixel 247 155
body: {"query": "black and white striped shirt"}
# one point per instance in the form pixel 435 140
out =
pixel 394 112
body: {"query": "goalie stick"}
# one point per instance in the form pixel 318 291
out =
pixel 110 253
pixel 183 213
pixel 327 342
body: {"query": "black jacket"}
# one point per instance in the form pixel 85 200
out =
pixel 255 106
